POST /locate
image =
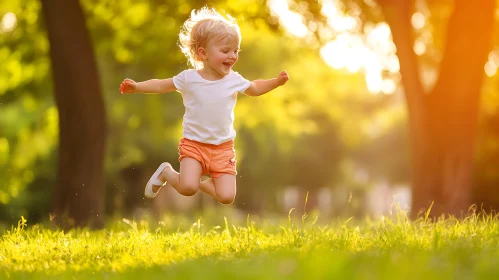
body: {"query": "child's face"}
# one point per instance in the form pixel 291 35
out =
pixel 220 56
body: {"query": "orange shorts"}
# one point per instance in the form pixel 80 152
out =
pixel 216 160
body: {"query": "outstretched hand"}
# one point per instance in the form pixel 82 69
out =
pixel 282 78
pixel 128 86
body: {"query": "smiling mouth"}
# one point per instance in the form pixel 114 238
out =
pixel 228 64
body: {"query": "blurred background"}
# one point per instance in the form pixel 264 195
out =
pixel 387 101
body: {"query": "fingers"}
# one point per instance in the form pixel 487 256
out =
pixel 283 76
pixel 125 85
pixel 122 87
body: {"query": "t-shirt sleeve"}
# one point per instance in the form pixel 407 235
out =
pixel 179 81
pixel 241 83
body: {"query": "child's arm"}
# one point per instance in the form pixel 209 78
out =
pixel 149 86
pixel 260 87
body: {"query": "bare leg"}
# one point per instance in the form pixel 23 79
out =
pixel 208 186
pixel 223 188
pixel 187 181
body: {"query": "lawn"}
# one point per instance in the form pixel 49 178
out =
pixel 386 248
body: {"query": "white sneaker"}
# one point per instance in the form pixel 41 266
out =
pixel 148 192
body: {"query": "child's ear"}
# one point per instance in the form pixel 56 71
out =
pixel 202 53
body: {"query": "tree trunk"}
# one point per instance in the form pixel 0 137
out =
pixel 79 192
pixel 443 122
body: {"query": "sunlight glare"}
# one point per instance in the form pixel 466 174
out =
pixel 388 86
pixel 374 82
pixel 372 55
pixel 372 52
pixel 9 21
pixel 418 20
pixel 379 37
pixel 490 70
pixel 292 22
pixel 419 47
pixel 346 52
pixel 392 63
pixel 494 57
pixel 493 63
pixel 336 19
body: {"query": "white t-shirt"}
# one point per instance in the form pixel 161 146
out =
pixel 209 105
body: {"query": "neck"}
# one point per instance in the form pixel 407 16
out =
pixel 210 74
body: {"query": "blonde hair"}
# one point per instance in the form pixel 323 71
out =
pixel 204 25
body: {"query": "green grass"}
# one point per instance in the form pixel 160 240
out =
pixel 383 249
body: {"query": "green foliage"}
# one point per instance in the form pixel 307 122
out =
pixel 293 130
pixel 28 119
pixel 388 248
pixel 302 134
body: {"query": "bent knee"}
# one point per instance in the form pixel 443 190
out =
pixel 188 189
pixel 226 199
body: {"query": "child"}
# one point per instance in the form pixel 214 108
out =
pixel 209 91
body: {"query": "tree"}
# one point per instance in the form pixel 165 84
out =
pixel 443 122
pixel 79 191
